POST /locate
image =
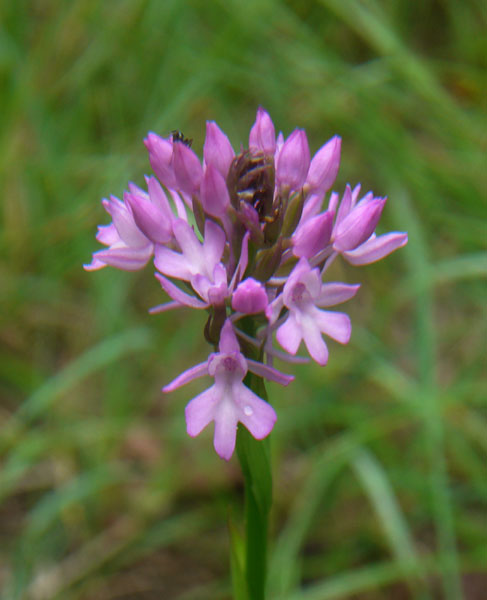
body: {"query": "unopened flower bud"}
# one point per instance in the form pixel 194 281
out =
pixel 250 297
pixel 262 135
pixel 217 150
pixel 294 160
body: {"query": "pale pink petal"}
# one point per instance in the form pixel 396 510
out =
pixel 333 324
pixel 217 150
pixel 200 411
pixel 171 263
pixel 178 295
pixel 187 376
pixel 312 206
pixel 124 223
pixel 228 339
pixel 187 168
pixel 160 157
pixel 250 297
pixel 189 244
pixel 274 309
pixel 359 225
pixel 313 340
pixel 179 204
pixel 213 245
pixel 160 308
pixel 376 248
pixel 214 193
pixel 294 159
pixel 94 265
pixel 324 166
pixel 159 199
pixel 345 205
pixel 333 202
pixel 313 235
pixel 127 259
pixel 257 415
pixel 335 293
pixel 289 334
pixel 226 420
pixel 151 221
pixel 262 135
pixel 267 372
pixel 108 235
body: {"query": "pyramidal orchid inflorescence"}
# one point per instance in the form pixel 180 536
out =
pixel 248 238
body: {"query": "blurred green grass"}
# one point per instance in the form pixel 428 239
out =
pixel 380 487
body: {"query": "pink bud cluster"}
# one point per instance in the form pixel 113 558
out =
pixel 247 238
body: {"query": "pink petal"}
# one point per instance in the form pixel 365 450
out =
pixel 160 157
pixel 171 263
pixel 359 225
pixel 257 415
pixel 293 162
pixel 178 295
pixel 345 205
pixel 226 420
pixel 151 221
pixel 228 339
pixel 108 235
pixel 324 166
pixel 213 245
pixel 267 372
pixel 336 293
pixel 312 236
pixel 262 135
pixel 187 376
pixel 217 150
pixel 250 297
pixel 127 259
pixel 187 168
pixel 159 199
pixel 124 223
pixel 333 324
pixel 289 334
pixel 214 193
pixel 200 411
pixel 160 308
pixel 376 248
pixel 312 206
pixel 94 265
pixel 313 340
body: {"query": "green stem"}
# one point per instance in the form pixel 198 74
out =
pixel 254 457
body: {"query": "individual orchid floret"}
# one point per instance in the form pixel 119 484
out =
pixel 214 194
pixel 250 297
pixel 324 166
pixel 151 212
pixel 128 248
pixel 196 258
pixel 262 135
pixel 303 293
pixel 217 150
pixel 228 401
pixel 313 235
pixel 294 160
pixel 187 168
pixel 160 157
pixel 353 234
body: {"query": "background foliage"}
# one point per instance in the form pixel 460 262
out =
pixel 379 458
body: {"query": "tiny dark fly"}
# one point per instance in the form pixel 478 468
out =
pixel 178 136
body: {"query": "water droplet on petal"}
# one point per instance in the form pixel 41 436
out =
pixel 248 411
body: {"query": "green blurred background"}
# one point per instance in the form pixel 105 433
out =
pixel 379 458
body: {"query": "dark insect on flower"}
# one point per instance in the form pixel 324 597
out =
pixel 178 136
